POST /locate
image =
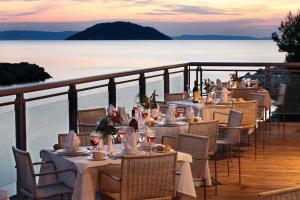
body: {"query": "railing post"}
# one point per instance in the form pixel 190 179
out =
pixel 166 81
pixel 197 72
pixel 236 73
pixel 73 105
pixel 112 92
pixel 186 79
pixel 142 83
pixel 20 117
pixel 201 81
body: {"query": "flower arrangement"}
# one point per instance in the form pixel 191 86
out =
pixel 208 85
pixel 149 102
pixel 106 125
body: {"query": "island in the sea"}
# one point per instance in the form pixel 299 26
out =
pixel 12 73
pixel 119 31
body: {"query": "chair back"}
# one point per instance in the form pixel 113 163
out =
pixel 292 193
pixel 148 176
pixel 243 93
pixel 261 99
pixel 234 120
pixel 176 96
pixel 249 110
pixel 197 146
pixel 281 92
pixel 26 177
pixel 163 107
pixel 83 137
pixel 89 117
pixel 209 129
pixel 209 113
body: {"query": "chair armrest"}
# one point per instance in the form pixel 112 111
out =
pixel 200 158
pixel 56 172
pixel 166 136
pixel 87 125
pixel 110 176
pixel 277 94
pixel 220 113
pixel 239 128
pixel 43 162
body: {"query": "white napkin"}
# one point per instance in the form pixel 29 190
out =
pixel 255 83
pixel 190 114
pixel 131 143
pixel 224 95
pixel 170 117
pixel 123 114
pixel 110 109
pixel 72 142
pixel 243 84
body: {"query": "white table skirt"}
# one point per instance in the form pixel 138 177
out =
pixel 86 184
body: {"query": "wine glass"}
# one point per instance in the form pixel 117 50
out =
pixel 122 135
pixel 95 139
pixel 150 139
pixel 180 112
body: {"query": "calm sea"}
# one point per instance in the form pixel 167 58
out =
pixel 72 59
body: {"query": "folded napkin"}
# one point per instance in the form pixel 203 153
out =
pixel 243 84
pixel 123 114
pixel 72 142
pixel 255 83
pixel 170 117
pixel 130 143
pixel 224 95
pixel 110 109
pixel 190 115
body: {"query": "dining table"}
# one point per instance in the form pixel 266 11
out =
pixel 86 183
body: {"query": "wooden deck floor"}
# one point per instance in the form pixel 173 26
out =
pixel 277 166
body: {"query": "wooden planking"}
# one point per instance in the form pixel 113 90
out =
pixel 277 166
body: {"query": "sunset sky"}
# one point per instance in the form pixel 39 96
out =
pixel 173 17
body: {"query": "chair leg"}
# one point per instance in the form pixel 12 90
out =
pixel 239 155
pixel 255 143
pixel 204 189
pixel 216 174
pixel 227 152
pixel 283 120
pixel 263 134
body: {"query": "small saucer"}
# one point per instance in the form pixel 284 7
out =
pixel 95 159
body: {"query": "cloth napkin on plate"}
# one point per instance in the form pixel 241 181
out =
pixel 123 114
pixel 110 109
pixel 130 143
pixel 224 95
pixel 170 117
pixel 72 142
pixel 190 115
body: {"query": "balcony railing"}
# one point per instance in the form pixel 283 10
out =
pixel 187 70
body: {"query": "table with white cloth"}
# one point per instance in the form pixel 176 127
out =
pixel 186 103
pixel 169 130
pixel 86 183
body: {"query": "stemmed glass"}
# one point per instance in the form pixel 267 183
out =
pixel 95 138
pixel 122 135
pixel 150 139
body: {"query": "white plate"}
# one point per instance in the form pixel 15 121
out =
pixel 95 159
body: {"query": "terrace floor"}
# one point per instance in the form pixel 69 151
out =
pixel 277 166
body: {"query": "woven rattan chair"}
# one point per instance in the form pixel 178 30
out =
pixel 175 96
pixel 198 147
pixel 83 137
pixel 27 186
pixel 87 119
pixel 261 112
pixel 249 110
pixel 209 129
pixel 243 93
pixel 292 193
pixel 233 136
pixel 149 176
pixel 208 113
pixel 280 104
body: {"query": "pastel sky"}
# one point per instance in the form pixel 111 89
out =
pixel 173 17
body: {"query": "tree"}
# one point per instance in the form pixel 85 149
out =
pixel 288 38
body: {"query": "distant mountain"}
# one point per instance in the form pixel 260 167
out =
pixel 218 37
pixel 34 35
pixel 119 31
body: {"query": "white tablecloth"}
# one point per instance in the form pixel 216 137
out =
pixel 169 131
pixel 197 106
pixel 86 184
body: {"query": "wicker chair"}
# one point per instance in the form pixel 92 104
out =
pixel 292 193
pixel 249 110
pixel 87 119
pixel 163 107
pixel 198 147
pixel 280 104
pixel 83 137
pixel 145 177
pixel 233 136
pixel 208 113
pixel 261 112
pixel 175 96
pixel 209 129
pixel 243 93
pixel 27 186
